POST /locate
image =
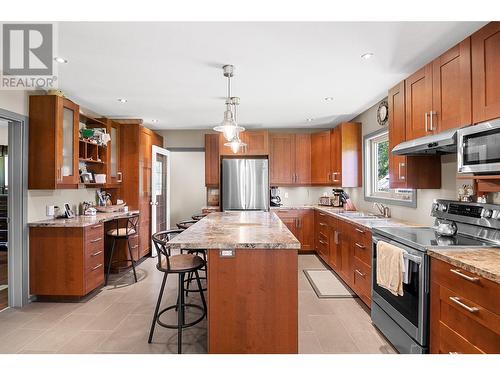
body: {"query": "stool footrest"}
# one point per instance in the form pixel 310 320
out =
pixel 185 325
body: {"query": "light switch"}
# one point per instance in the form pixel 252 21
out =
pixel 227 253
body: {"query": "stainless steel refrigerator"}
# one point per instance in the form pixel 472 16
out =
pixel 245 184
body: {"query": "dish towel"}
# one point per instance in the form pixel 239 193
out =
pixel 390 267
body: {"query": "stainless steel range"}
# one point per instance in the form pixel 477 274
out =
pixel 404 320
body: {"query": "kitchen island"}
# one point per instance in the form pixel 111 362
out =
pixel 252 281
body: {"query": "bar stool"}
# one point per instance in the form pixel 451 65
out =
pixel 177 264
pixel 186 224
pixel 198 217
pixel 123 233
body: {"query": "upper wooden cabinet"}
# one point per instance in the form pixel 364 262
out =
pixel 405 172
pixel 257 143
pixel 451 88
pixel 290 159
pixel 212 160
pixel 486 72
pixel 53 143
pixel 345 155
pixel 320 158
pixel 438 96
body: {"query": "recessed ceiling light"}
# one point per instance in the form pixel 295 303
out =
pixel 309 119
pixel 366 56
pixel 329 98
pixel 60 60
pixel 122 100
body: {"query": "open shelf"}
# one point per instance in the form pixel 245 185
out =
pixel 91 161
pixel 483 183
pixel 88 120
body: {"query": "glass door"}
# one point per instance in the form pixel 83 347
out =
pixel 160 192
pixel 67 138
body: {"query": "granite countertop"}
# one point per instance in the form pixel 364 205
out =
pixel 235 230
pixel 484 262
pixel 368 223
pixel 82 221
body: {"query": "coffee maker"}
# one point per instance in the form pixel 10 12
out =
pixel 275 197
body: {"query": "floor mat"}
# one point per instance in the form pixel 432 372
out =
pixel 328 285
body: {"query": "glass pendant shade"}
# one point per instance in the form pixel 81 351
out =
pixel 229 127
pixel 235 143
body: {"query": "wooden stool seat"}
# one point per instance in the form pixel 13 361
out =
pixel 121 232
pixel 182 263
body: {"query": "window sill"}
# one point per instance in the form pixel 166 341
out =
pixel 392 201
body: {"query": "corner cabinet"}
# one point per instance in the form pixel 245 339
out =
pixel 408 172
pixel 53 143
pixel 486 72
pixel 301 223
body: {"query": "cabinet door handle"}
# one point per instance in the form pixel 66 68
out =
pixel 96 267
pixel 96 226
pixel 457 301
pixel 360 246
pixel 134 247
pixel 336 237
pixel 426 124
pixel 431 127
pixel 359 230
pixel 299 223
pixel 399 170
pixel 360 273
pixel 466 277
pixel 96 254
pixel 96 240
pixel 119 177
pixel 322 242
pixel 322 224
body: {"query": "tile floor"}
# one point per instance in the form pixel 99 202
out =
pixel 118 318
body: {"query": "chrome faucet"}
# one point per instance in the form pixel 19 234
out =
pixel 383 209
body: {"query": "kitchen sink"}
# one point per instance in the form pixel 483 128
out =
pixel 360 215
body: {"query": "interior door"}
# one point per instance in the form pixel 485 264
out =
pixel 160 192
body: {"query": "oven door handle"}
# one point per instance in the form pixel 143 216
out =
pixel 413 258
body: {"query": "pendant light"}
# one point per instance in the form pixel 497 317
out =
pixel 235 142
pixel 228 126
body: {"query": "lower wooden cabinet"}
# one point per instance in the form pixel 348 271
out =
pixel 301 223
pixel 66 261
pixel 464 313
pixel 346 248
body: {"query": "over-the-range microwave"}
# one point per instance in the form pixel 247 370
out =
pixel 478 148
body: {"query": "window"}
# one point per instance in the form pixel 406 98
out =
pixel 376 162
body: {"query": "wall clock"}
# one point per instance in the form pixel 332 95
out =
pixel 383 113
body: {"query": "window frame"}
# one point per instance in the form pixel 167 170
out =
pixel 367 181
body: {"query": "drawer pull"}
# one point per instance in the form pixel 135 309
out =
pixel 96 267
pixel 322 242
pixel 360 246
pixel 454 353
pixel 96 254
pixel 363 275
pixel 134 247
pixel 461 304
pixel 96 240
pixel 360 231
pixel 466 277
pixel 96 227
pixel 322 224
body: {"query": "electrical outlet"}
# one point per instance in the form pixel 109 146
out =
pixel 286 194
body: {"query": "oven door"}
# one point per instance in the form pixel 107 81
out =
pixel 478 150
pixel 409 311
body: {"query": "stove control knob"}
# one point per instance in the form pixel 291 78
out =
pixel 440 207
pixel 486 213
pixel 495 214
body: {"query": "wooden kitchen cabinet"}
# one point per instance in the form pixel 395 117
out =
pixel 290 159
pixel 66 261
pixel 418 95
pixel 257 144
pixel 438 96
pixel 322 235
pixel 53 143
pixel 320 158
pixel 335 259
pixel 486 73
pixel 405 172
pixel 114 170
pixel 301 223
pixel 345 270
pixel 212 160
pixel 464 311
pixel 345 155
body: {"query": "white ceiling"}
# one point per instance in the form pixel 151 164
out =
pixel 172 71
